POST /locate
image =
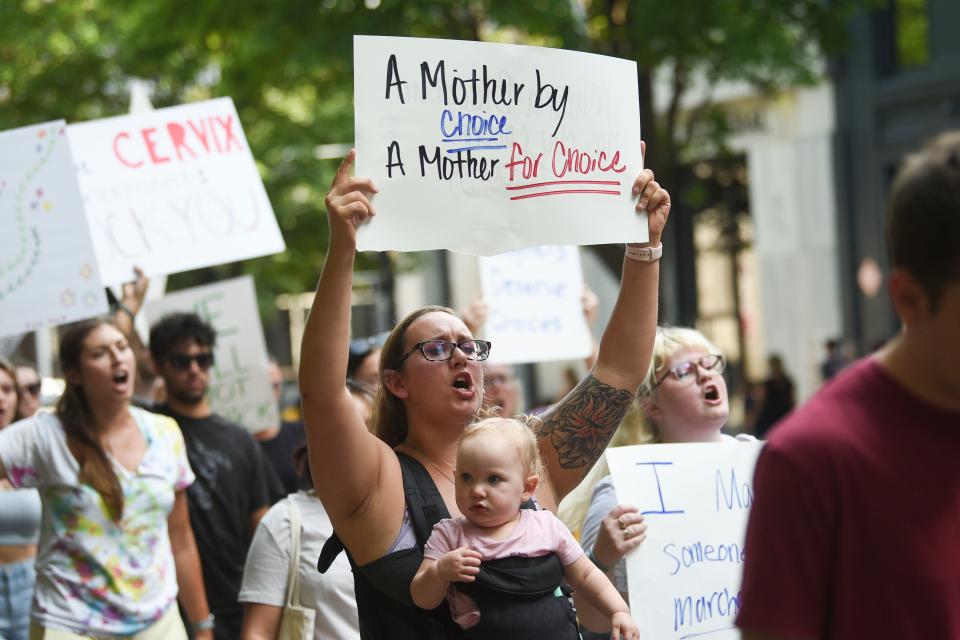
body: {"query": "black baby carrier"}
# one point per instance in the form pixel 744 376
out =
pixel 519 598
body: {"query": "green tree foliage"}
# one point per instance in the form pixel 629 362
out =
pixel 288 66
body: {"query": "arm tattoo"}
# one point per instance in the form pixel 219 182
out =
pixel 580 426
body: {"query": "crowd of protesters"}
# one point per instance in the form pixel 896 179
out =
pixel 125 512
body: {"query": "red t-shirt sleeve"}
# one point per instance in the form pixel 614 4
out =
pixel 787 576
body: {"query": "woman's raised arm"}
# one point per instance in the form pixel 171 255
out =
pixel 345 459
pixel 576 431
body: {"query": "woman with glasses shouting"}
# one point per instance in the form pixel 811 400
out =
pixel 384 494
pixel 682 399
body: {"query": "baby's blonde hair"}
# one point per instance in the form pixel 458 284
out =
pixel 518 431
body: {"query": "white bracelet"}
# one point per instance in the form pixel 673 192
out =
pixel 644 254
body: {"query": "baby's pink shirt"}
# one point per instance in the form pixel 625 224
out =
pixel 538 533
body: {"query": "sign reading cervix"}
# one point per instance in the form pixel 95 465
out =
pixel 684 580
pixel 240 387
pixel 48 273
pixel 536 313
pixel 484 148
pixel 172 190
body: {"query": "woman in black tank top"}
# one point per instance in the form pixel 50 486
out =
pixel 432 387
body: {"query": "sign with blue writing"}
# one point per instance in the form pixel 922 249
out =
pixel 684 580
pixel 48 271
pixel 240 387
pixel 534 297
pixel 484 148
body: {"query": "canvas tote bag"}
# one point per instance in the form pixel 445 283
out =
pixel 298 621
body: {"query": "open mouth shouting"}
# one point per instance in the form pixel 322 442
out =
pixel 120 379
pixel 711 394
pixel 463 385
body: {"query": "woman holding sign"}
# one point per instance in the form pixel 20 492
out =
pixel 682 399
pixel 384 494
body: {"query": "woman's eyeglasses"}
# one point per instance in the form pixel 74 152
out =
pixel 686 372
pixel 33 389
pixel 440 350
pixel 182 361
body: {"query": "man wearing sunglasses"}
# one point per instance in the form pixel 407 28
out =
pixel 234 485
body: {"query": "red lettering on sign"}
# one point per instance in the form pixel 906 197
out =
pixel 152 146
pixel 116 150
pixel 179 141
pixel 177 133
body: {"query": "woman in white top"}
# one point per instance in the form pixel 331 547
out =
pixel 682 399
pixel 265 576
pixel 115 537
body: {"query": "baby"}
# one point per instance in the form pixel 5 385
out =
pixel 497 471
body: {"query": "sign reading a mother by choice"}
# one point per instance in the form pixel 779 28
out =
pixel 483 148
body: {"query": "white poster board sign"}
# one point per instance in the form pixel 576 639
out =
pixel 48 272
pixel 240 386
pixel 483 148
pixel 172 190
pixel 684 580
pixel 536 313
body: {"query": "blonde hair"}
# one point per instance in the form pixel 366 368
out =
pixel 637 427
pixel 518 431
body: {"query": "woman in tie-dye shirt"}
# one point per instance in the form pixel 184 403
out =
pixel 115 536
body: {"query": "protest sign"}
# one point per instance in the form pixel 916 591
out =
pixel 684 580
pixel 240 386
pixel 536 313
pixel 172 190
pixel 48 272
pixel 484 148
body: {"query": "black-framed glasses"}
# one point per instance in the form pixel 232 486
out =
pixel 686 372
pixel 33 389
pixel 182 361
pixel 440 350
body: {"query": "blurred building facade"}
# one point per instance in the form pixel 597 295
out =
pixel 898 86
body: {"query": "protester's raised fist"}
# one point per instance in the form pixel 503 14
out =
pixel 653 199
pixel 348 201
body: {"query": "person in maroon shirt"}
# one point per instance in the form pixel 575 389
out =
pixel 855 527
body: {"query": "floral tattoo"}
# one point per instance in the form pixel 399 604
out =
pixel 580 426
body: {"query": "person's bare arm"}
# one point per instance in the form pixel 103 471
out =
pixel 356 475
pixel 256 516
pixel 260 621
pixel 590 304
pixel 576 431
pixel 131 301
pixel 589 583
pixel 187 562
pixel 433 577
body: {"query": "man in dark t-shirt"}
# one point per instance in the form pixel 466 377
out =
pixel 234 485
